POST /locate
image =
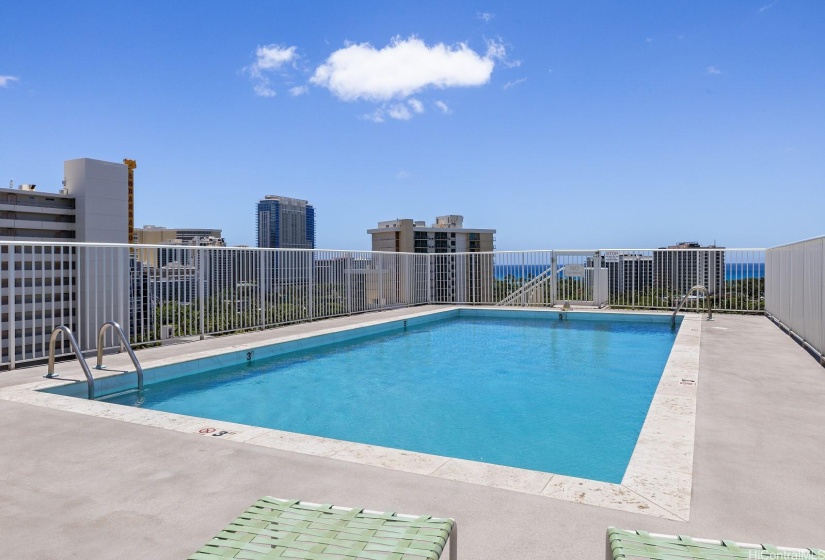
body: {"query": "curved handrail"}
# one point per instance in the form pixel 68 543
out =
pixel 67 332
pixel 101 333
pixel 698 288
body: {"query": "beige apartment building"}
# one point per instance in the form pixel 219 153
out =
pixel 454 275
pixel 446 235
pixel 157 235
pixel 174 239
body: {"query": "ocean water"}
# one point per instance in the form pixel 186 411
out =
pixel 566 397
pixel 744 271
pixel 733 271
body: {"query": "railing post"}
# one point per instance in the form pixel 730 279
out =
pixel 311 284
pixel 348 273
pixel 12 308
pixel 429 281
pixel 470 270
pixel 201 293
pixel 380 259
pixel 260 283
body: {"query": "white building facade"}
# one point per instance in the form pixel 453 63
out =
pixel 56 284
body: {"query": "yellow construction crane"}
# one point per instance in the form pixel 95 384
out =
pixel 131 164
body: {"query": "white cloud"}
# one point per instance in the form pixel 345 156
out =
pixel 768 6
pixel 402 175
pixel 649 40
pixel 486 17
pixel 399 112
pixel 496 50
pixel 268 59
pixel 298 90
pixel 264 90
pixel 713 71
pixel 376 116
pixel 272 57
pixel 512 83
pixel 444 107
pixel 404 67
pixel 6 80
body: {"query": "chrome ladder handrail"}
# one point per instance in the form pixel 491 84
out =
pixel 699 288
pixel 124 342
pixel 67 332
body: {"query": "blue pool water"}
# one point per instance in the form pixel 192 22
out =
pixel 566 397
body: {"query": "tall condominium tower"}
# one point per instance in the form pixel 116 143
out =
pixel 287 223
pixel 694 264
pixel 452 277
pixel 92 207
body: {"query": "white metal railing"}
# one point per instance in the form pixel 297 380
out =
pixel 620 278
pixel 659 278
pixel 157 292
pixel 795 291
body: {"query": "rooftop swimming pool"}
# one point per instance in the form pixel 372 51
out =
pixel 532 390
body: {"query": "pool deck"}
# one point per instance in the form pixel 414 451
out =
pixel 80 486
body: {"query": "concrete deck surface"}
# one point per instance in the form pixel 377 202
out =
pixel 77 486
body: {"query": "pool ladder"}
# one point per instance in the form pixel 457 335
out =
pixel 90 381
pixel 696 288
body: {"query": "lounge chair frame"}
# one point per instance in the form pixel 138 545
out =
pixel 640 545
pixel 275 528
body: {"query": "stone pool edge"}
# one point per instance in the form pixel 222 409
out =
pixel 657 482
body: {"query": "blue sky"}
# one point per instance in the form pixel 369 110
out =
pixel 561 125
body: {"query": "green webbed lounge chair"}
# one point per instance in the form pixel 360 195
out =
pixel 273 528
pixel 640 545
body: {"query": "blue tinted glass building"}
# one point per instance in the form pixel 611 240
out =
pixel 287 223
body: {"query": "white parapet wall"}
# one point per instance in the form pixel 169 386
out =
pixel 795 291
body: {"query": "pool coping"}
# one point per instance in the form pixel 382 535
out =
pixel 657 482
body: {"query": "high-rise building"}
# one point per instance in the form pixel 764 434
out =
pixel 175 240
pixel 686 264
pixel 155 235
pixel 285 223
pixel 92 206
pixel 446 235
pixel 451 279
pixel 627 272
